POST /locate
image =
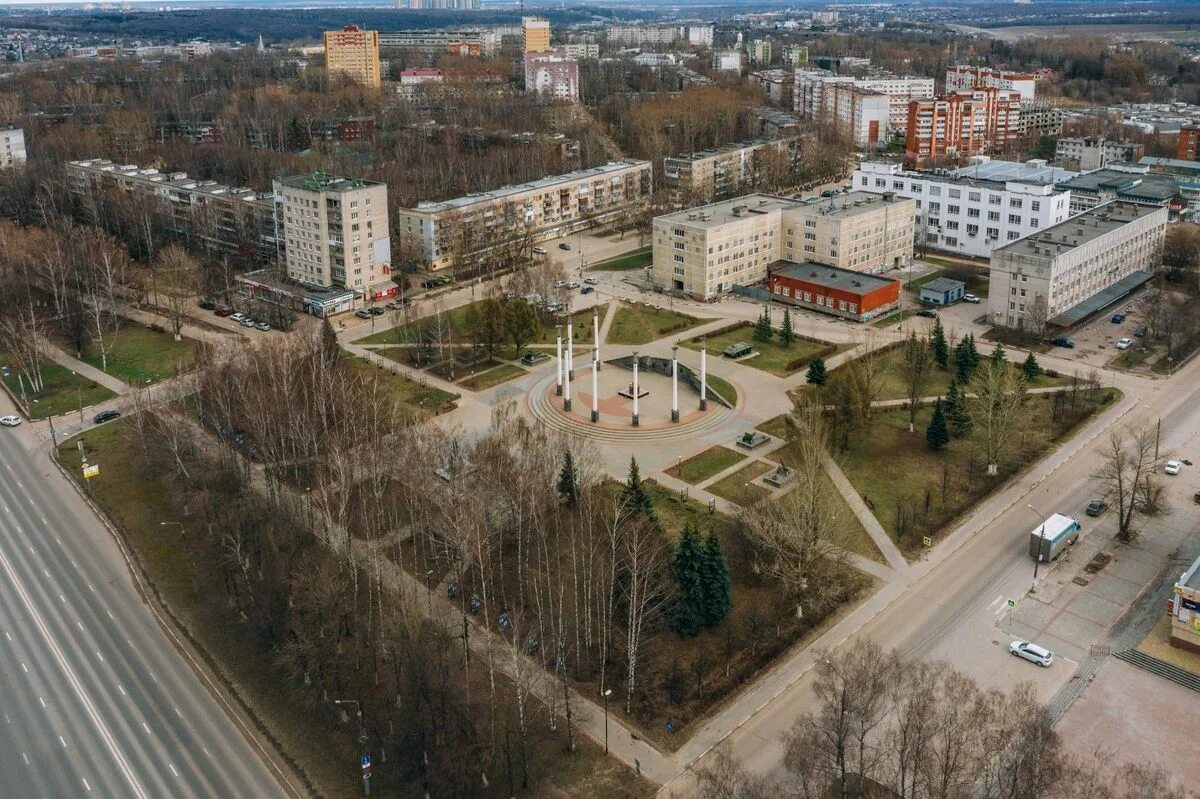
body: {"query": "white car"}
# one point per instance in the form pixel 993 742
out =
pixel 971 298
pixel 236 317
pixel 10 421
pixel 574 284
pixel 539 250
pixel 1124 343
pixel 1173 467
pixel 591 281
pixel 1031 652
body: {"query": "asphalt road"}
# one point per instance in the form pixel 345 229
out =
pixel 95 700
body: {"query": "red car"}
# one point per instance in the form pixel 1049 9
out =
pixel 222 312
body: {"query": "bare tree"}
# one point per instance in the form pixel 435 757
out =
pixel 996 408
pixel 918 361
pixel 722 777
pixel 1129 472
pixel 644 563
pixel 1038 314
pixel 178 275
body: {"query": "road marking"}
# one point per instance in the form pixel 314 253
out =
pixel 43 701
pixel 46 573
pixel 62 598
pixel 121 689
pixel 61 741
pixel 205 751
pixel 177 713
pixel 74 565
pixel 172 767
pixel 146 728
pixel 85 784
pixel 69 673
pixel 79 624
pixel 6 635
pixel 153 677
pixel 25 757
pixel 19 484
pixel 24 668
pixel 109 612
pixel 93 590
pixel 100 656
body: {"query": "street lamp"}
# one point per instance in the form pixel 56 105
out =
pixel 362 740
pixel 1157 431
pixel 1041 537
pixel 607 694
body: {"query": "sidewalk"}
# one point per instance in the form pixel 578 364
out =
pixel 114 384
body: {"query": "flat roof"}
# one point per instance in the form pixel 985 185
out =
pixel 323 181
pixel 1081 228
pixel 543 183
pixel 1172 163
pixel 944 284
pixel 1149 185
pixel 830 276
pixel 700 155
pixel 1005 171
pixel 842 206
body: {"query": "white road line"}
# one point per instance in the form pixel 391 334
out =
pixel 46 573
pixel 43 701
pixel 57 653
pixel 100 656
pixel 146 728
pixel 109 612
pixel 172 767
pixel 24 668
pixel 25 757
pixel 205 751
pixel 6 635
pixel 62 598
pixel 177 713
pixel 61 741
pixel 153 677
pixel 79 624
pixel 74 565
pixel 85 784
pixel 93 590
pixel 121 689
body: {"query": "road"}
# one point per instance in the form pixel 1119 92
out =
pixel 95 699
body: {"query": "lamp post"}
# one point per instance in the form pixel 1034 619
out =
pixel 1157 431
pixel 362 740
pixel 1041 537
pixel 607 694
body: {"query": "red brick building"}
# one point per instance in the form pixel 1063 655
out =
pixel 983 122
pixel 840 292
pixel 1189 143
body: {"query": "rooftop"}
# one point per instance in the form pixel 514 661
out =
pixel 1145 185
pixel 839 207
pixel 544 183
pixel 323 181
pixel 984 173
pixel 830 276
pixel 1080 229
pixel 700 155
pixel 943 284
pixel 1171 164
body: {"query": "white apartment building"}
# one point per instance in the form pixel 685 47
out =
pixel 552 76
pixel 811 86
pixel 974 210
pixel 728 61
pixel 760 51
pixel 1065 273
pixel 581 50
pixel 967 79
pixel 336 233
pixel 644 34
pixel 700 35
pixel 1088 153
pixel 433 233
pixel 12 147
pixel 862 114
pixel 702 252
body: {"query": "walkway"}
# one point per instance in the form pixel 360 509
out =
pixel 113 384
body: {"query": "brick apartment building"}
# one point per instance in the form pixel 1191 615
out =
pixel 982 122
pixel 354 53
pixel 1189 143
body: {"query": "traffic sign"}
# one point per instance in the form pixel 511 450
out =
pixel 366 762
pixel 927 541
pixel 91 471
pixel 1012 603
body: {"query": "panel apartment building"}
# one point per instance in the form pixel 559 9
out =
pixel 552 76
pixel 542 209
pixel 975 209
pixel 12 147
pixel 354 53
pixel 811 87
pixel 237 222
pixel 336 233
pixel 964 80
pixel 982 122
pixel 1077 267
pixel 863 115
pixel 702 252
pixel 724 171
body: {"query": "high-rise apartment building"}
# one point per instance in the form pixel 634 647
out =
pixel 724 171
pixel 1188 148
pixel 336 233
pixel 760 51
pixel 861 114
pixel 968 79
pixel 535 34
pixel 552 75
pixel 961 125
pixel 354 53
pixel 1040 118
pixel 811 85
pixel 12 147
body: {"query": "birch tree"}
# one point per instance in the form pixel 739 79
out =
pixel 997 408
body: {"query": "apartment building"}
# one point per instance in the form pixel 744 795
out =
pixel 1039 118
pixel 728 60
pixel 202 214
pixel 644 34
pixel 776 85
pixel 859 113
pixel 434 232
pixel 795 55
pixel 336 233
pixel 760 51
pixel 964 80
pixel 704 251
pixel 552 76
pixel 12 147
pixel 435 43
pixel 353 53
pixel 1064 274
pixel 724 171
pixel 581 50
pixel 811 86
pixel 1087 153
pixel 535 34
pixel 698 35
pixel 962 125
pixel 975 209
pixel 1188 148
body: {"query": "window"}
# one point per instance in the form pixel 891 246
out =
pixel 808 296
pixel 1013 234
pixel 778 289
pixel 841 305
pixel 935 191
pixel 993 199
pixel 863 180
pixel 951 241
pixel 918 203
pixel 853 307
pixel 1033 221
pixel 1016 202
pixel 678 258
pixel 810 236
pixel 1014 219
pixel 679 270
pixel 1013 291
pixel 1035 205
pixel 972 213
pixel 993 216
pixel 898 185
pixel 679 232
pixel 973 196
pixel 955 194
pixel 809 248
pixel 880 183
pixel 810 223
pixel 952 224
pixel 1012 306
pixel 833 254
pixel 679 245
pixel 935 208
pixel 972 230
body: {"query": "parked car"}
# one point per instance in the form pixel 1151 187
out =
pixel 208 305
pixel 10 421
pixel 971 298
pixel 564 246
pixel 539 250
pixel 586 290
pixel 591 281
pixel 1063 341
pixel 222 312
pixel 1118 318
pixel 558 284
pixel 1140 331
pixel 375 310
pixel 263 326
pixel 829 193
pixel 1124 343
pixel 105 416
pixel 1032 652
pixel 573 284
pixel 1096 507
pixel 928 313
pixel 1172 467
pixel 363 313
pixel 247 322
pixel 237 317
pixel 554 307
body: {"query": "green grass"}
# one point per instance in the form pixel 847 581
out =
pixel 581 328
pixel 737 487
pixel 63 391
pixel 456 322
pixel 139 355
pixel 893 319
pixel 721 386
pixel 777 427
pixel 976 278
pixel 424 400
pixel 638 259
pixel 699 468
pixel 492 377
pixel 641 324
pixel 772 356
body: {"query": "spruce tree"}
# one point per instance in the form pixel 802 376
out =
pixel 634 497
pixel 938 343
pixel 568 481
pixel 687 569
pixel 966 358
pixel 956 411
pixel 817 374
pixel 999 356
pixel 718 586
pixel 1030 367
pixel 762 330
pixel 786 334
pixel 936 435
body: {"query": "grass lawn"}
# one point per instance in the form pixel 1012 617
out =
pixel 641 324
pixel 721 386
pixel 424 400
pixel 139 355
pixel 893 319
pixel 976 278
pixel 777 427
pixel 1130 358
pixel 638 259
pixel 492 377
pixel 63 391
pixel 737 487
pixel 581 328
pixel 772 356
pixel 456 321
pixel 699 468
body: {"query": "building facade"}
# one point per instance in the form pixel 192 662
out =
pixel 12 147
pixel 434 43
pixel 859 113
pixel 776 85
pixel 535 34
pixel 434 234
pixel 705 175
pixel 1188 148
pixel 1048 277
pixel 644 34
pixel 552 76
pixel 760 51
pixel 1185 610
pixel 812 85
pixel 962 125
pixel 827 289
pixel 1086 153
pixel 702 252
pixel 965 80
pixel 1040 118
pixel 353 53
pixel 581 50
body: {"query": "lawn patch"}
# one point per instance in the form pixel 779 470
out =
pixel 139 355
pixel 975 278
pixel 772 356
pixel 492 377
pixel 641 324
pixel 893 319
pixel 738 488
pixel 638 259
pixel 63 391
pixel 423 399
pixel 699 468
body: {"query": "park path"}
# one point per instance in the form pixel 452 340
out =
pixel 113 384
pixel 883 542
pixel 610 313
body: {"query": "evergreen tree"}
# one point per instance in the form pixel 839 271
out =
pixel 687 567
pixel 817 374
pixel 568 481
pixel 937 342
pixel 331 351
pixel 956 411
pixel 999 356
pixel 762 329
pixel 718 586
pixel 786 334
pixel 966 358
pixel 634 497
pixel 1030 367
pixel 936 435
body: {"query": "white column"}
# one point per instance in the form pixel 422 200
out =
pixel 570 352
pixel 703 376
pixel 595 388
pixel 674 384
pixel 567 391
pixel 558 364
pixel 635 389
pixel 596 335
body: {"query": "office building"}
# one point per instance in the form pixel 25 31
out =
pixel 704 251
pixel 535 34
pixel 552 76
pixel 827 289
pixel 353 53
pixel 1087 154
pixel 964 80
pixel 1132 183
pixel 434 232
pixel 962 125
pixel 722 172
pixel 1188 148
pixel 858 113
pixel 12 147
pixel 336 233
pixel 1066 273
pixel 1039 118
pixel 977 208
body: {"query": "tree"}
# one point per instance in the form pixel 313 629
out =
pixel 178 275
pixel 917 361
pixel 786 334
pixel 762 328
pixel 521 323
pixel 938 344
pixel 1037 314
pixel 568 481
pixel 996 409
pixel 846 393
pixel 486 325
pixel 1181 249
pixel 936 434
pixel 817 375
pixel 716 582
pixel 634 499
pixel 1030 368
pixel 331 351
pixel 966 358
pixel 999 356
pixel 957 413
pixel 687 567
pixel 1129 473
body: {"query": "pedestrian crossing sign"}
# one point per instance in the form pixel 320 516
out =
pixel 1012 603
